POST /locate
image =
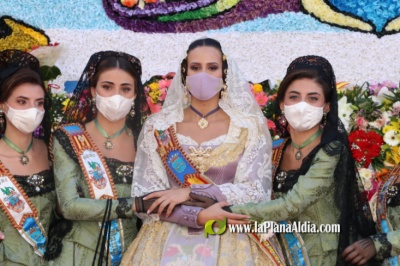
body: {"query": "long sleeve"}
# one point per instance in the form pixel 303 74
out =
pixel 387 245
pixel 76 205
pixel 314 185
pixel 183 215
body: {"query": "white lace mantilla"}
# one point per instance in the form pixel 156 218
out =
pixel 252 181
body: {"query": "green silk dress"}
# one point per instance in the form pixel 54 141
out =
pixel 79 244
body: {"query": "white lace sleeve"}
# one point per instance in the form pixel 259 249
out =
pixel 252 181
pixel 149 172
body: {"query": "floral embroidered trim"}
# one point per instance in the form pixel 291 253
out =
pixel 4 171
pixel 92 147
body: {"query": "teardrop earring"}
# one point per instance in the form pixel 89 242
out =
pixel 223 91
pixel 94 105
pixel 132 112
pixel 323 124
pixel 186 99
pixel 2 121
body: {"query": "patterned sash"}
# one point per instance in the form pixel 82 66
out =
pixel 99 181
pixel 180 167
pixel 21 212
pixel 294 245
pixel 383 222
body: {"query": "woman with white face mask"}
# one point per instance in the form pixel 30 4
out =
pixel 209 139
pixel 315 179
pixel 94 153
pixel 27 192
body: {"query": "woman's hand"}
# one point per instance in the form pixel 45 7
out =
pixel 2 236
pixel 170 198
pixel 360 252
pixel 215 212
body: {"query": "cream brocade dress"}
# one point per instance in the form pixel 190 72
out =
pixel 165 243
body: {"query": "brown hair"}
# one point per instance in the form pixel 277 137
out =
pixel 200 43
pixel 114 62
pixel 24 75
pixel 300 74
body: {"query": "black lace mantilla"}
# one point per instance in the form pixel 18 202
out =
pixel 122 172
pixel 395 200
pixel 36 184
pixel 386 247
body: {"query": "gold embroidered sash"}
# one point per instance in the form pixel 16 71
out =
pixel 98 179
pixel 21 212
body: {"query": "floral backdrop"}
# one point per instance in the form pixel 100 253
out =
pixel 358 37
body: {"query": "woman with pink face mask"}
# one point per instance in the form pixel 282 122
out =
pixel 210 139
pixel 27 192
pixel 94 153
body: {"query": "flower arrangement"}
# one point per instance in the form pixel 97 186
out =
pixel 370 113
pixel 265 96
pixel 156 89
pixel 47 56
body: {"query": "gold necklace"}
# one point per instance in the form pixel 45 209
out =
pixel 203 123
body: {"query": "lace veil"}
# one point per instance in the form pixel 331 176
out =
pixel 239 103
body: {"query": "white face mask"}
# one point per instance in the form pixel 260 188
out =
pixel 27 120
pixel 303 116
pixel 114 108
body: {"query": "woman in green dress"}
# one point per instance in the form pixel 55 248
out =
pixel 314 176
pixel 27 192
pixel 94 153
pixel 385 245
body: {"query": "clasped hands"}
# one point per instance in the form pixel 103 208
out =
pixel 165 201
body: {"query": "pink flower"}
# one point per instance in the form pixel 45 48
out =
pixel 154 107
pixel 271 124
pixel 261 99
pixel 163 94
pixel 204 250
pixel 171 251
pixel 163 83
pixel 361 123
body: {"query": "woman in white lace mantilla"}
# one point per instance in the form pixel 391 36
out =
pixel 210 139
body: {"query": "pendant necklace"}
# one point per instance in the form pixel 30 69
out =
pixel 108 144
pixel 203 123
pixel 24 159
pixel 298 155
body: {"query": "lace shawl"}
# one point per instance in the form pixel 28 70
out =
pixel 252 182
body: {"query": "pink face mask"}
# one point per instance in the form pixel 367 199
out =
pixel 203 86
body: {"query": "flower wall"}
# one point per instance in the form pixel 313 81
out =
pixel 359 38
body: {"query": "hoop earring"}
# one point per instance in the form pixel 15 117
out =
pixel 323 124
pixel 282 120
pixel 93 102
pixel 2 121
pixel 132 112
